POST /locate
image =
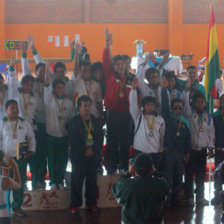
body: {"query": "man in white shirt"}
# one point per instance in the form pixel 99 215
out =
pixel 59 110
pixel 15 130
pixel 149 127
pixel 202 139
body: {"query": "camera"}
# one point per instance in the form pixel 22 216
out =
pixel 3 163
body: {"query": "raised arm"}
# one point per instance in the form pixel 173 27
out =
pixel 76 60
pixel 31 138
pixel 133 99
pixel 24 61
pixel 12 82
pixel 186 99
pixel 38 59
pixel 47 86
pixel 107 55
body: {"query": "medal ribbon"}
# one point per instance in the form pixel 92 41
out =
pixel 40 90
pixel 201 120
pixel 88 89
pixel 150 125
pixel 122 84
pixel 60 107
pixel 13 127
pixel 26 102
pixel 180 123
pixel 88 128
pixel 173 94
pixel 156 95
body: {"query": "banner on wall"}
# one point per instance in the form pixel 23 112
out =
pixel 12 44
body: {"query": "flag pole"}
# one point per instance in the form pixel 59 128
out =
pixel 210 162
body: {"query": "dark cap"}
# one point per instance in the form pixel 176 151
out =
pixel 143 164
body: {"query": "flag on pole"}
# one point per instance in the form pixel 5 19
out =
pixel 212 67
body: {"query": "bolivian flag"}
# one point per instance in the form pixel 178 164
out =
pixel 212 67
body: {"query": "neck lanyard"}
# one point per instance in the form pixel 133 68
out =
pixel 40 91
pixel 156 94
pixel 89 87
pixel 60 108
pixel 179 125
pixel 173 94
pixel 150 125
pixel 88 128
pixel 26 103
pixel 14 128
pixel 122 85
pixel 201 120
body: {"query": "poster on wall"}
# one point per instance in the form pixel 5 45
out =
pixel 57 41
pixel 66 41
pixel 12 44
pixel 50 39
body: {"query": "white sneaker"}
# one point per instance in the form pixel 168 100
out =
pixel 202 201
pixel 61 186
pixel 54 187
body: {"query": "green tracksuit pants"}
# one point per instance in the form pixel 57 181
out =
pixel 57 158
pixel 38 164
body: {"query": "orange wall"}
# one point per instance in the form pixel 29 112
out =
pixel 156 35
pixel 93 35
pixel 195 40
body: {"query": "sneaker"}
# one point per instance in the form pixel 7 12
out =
pixel 216 200
pixel 54 187
pixel 75 210
pixel 202 201
pixel 61 186
pixel 18 212
pixel 190 201
pixel 93 208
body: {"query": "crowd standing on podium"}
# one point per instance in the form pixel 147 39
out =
pixel 165 120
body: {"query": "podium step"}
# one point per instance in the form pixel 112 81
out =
pixel 60 199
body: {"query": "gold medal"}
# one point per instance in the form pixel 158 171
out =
pixel 14 128
pixel 121 94
pixel 122 85
pixel 201 130
pixel 90 137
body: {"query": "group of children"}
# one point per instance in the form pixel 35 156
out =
pixel 168 120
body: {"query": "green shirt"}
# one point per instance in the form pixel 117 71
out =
pixel 142 197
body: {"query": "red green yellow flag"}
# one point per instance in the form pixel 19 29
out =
pixel 212 67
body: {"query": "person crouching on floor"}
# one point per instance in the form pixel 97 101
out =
pixel 143 195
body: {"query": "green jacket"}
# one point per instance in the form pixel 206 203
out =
pixel 142 197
